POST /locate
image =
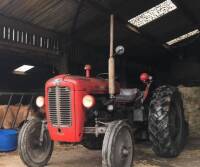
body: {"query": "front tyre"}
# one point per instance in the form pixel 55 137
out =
pixel 167 126
pixel 32 151
pixel 118 145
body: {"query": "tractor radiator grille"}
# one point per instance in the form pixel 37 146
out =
pixel 59 106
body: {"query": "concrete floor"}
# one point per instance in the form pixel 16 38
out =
pixel 77 156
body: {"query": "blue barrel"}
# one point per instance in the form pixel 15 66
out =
pixel 8 140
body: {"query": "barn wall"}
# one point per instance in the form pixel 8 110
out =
pixel 186 72
pixel 82 54
pixel 182 72
pixel 33 80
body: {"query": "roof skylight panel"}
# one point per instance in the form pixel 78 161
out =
pixel 183 37
pixel 153 13
pixel 23 68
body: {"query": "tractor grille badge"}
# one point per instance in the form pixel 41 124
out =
pixel 57 82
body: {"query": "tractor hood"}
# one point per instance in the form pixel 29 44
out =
pixel 91 85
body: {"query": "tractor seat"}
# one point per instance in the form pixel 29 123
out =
pixel 127 95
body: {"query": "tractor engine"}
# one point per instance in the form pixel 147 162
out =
pixel 66 112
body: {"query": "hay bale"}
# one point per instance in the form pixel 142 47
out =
pixel 191 103
pixel 22 115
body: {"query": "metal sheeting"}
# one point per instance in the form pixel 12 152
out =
pixel 55 15
pixel 50 14
pixel 58 15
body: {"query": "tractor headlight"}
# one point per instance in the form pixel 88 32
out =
pixel 88 101
pixel 110 107
pixel 40 101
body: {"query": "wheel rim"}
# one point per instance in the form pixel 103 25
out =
pixel 123 149
pixel 38 151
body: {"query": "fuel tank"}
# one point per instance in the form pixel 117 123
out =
pixel 90 85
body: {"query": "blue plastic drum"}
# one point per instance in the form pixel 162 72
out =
pixel 8 140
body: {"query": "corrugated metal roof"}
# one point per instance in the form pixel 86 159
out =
pixel 58 15
pixel 50 14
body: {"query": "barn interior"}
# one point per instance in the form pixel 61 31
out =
pixel 61 36
pixel 78 33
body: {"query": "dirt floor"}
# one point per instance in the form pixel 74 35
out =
pixel 77 156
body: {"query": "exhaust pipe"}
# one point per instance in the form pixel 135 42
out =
pixel 111 61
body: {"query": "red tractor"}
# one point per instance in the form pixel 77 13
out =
pixel 97 113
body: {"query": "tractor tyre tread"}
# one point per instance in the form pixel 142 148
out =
pixel 160 135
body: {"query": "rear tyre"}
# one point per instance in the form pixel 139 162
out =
pixel 92 142
pixel 32 152
pixel 118 145
pixel 167 127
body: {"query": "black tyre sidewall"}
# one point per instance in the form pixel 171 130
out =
pixel 109 142
pixel 23 146
pixel 168 146
pixel 181 137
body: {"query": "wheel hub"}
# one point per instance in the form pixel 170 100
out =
pixel 124 152
pixel 123 149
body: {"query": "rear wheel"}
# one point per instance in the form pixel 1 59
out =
pixel 167 126
pixel 118 146
pixel 32 151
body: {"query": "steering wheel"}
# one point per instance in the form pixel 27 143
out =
pixel 102 76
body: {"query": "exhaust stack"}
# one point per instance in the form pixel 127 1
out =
pixel 111 61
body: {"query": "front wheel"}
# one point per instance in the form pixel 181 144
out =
pixel 32 151
pixel 118 145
